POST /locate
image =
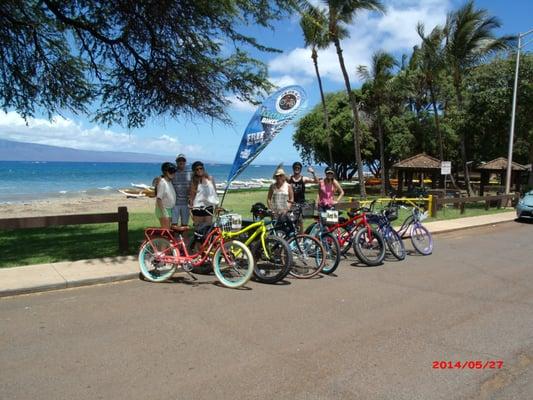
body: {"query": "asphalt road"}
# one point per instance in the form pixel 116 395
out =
pixel 367 333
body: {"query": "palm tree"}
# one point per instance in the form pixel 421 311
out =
pixel 431 64
pixel 469 41
pixel 378 78
pixel 314 28
pixel 341 12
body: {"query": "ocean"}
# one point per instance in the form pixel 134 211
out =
pixel 22 181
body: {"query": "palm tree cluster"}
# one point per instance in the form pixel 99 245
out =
pixel 429 82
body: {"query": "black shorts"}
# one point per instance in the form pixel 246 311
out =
pixel 207 212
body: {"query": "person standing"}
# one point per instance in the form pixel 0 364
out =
pixel 327 189
pixel 203 195
pixel 298 181
pixel 165 195
pixel 181 183
pixel 280 194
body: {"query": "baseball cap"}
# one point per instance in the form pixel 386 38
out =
pixel 181 157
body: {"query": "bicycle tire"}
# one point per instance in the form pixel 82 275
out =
pixel 419 236
pixel 371 253
pixel 276 265
pixel 308 256
pixel 333 252
pixel 394 243
pixel 310 228
pixel 151 269
pixel 239 269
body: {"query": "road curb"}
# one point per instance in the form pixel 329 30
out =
pixel 464 228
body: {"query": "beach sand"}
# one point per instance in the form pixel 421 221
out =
pixel 76 205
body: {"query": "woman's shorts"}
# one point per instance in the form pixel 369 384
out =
pixel 207 212
pixel 167 213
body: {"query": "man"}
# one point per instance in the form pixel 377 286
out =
pixel 298 181
pixel 181 182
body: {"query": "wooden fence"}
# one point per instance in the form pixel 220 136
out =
pixel 499 201
pixel 121 217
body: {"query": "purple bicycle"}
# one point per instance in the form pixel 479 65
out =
pixel 420 236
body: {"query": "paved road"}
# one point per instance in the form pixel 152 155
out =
pixel 368 333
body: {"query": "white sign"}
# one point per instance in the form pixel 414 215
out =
pixel 445 167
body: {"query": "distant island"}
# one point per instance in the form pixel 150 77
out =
pixel 20 151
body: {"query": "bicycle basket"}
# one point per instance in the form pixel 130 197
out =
pixel 423 215
pixel 230 222
pixel 330 217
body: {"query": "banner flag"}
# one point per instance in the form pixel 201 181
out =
pixel 271 117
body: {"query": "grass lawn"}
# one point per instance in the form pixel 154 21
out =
pixel 79 242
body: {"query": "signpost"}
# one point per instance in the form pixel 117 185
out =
pixel 445 169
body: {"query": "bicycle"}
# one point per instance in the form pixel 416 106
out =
pixel 271 253
pixel 164 251
pixel 328 240
pixel 308 253
pixel 356 232
pixel 420 237
pixel 392 239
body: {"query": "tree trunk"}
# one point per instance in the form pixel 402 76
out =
pixel 381 153
pixel 356 125
pixel 314 56
pixel 437 122
pixel 530 179
pixel 463 138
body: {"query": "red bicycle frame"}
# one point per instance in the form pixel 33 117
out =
pixel 213 240
pixel 359 219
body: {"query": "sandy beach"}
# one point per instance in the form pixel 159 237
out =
pixel 75 205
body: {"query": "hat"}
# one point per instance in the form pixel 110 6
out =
pixel 297 164
pixel 197 164
pixel 279 171
pixel 181 157
pixel 168 167
pixel 329 170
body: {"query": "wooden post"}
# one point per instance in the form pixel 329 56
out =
pixel 462 205
pixel 123 229
pixel 487 204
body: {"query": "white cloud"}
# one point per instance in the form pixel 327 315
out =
pixel 65 132
pixel 240 105
pixel 394 31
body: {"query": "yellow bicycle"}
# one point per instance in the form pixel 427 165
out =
pixel 272 255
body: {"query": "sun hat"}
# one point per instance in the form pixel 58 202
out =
pixel 279 171
pixel 181 157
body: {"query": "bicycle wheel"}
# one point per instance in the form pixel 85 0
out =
pixel 394 243
pixel 422 240
pixel 370 252
pixel 276 263
pixel 234 268
pixel 311 228
pixel 345 237
pixel 308 256
pixel 333 252
pixel 151 268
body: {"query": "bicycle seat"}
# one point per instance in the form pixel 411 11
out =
pixel 179 228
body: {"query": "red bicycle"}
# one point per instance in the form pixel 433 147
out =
pixel 356 232
pixel 164 251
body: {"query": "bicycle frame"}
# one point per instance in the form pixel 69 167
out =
pixel 213 240
pixel 359 220
pixel 260 230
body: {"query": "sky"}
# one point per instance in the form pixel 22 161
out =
pixel 393 32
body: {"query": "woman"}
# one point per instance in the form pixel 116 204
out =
pixel 327 189
pixel 280 194
pixel 165 195
pixel 203 195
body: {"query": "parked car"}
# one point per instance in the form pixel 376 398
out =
pixel 524 208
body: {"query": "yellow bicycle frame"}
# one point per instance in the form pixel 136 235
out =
pixel 260 229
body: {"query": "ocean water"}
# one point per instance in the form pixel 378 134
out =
pixel 24 181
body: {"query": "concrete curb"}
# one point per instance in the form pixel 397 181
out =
pixel 464 228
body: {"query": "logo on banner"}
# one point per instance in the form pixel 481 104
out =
pixel 287 101
pixel 255 138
